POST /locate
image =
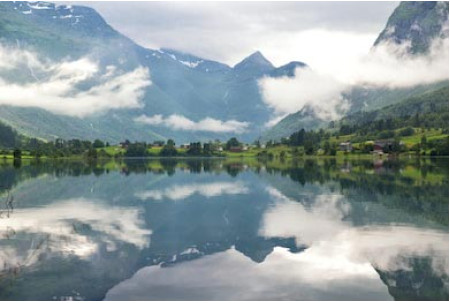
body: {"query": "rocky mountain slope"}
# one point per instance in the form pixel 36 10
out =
pixel 416 22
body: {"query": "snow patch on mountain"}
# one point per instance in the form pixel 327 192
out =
pixel 190 64
pixel 40 5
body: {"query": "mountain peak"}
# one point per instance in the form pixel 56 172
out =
pixel 256 61
pixel 257 56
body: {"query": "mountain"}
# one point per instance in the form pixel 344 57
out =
pixel 305 118
pixel 364 100
pixel 417 23
pixel 182 84
pixel 58 31
pixel 431 105
pixel 253 66
pixel 195 62
pixel 9 138
pixel 287 70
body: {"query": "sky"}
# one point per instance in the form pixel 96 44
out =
pixel 230 31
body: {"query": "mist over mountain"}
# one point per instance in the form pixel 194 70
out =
pixel 183 86
pixel 415 36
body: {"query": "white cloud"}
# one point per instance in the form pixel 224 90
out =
pixel 322 221
pixel 307 88
pixel 178 122
pixel 55 85
pixel 389 65
pixel 321 88
pixel 207 190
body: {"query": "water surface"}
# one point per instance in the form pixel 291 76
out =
pixel 224 230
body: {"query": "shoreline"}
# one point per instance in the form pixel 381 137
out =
pixel 351 156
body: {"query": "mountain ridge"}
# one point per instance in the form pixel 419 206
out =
pixel 181 82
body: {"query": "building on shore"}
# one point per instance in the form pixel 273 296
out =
pixel 345 146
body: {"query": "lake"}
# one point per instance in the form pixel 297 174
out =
pixel 224 229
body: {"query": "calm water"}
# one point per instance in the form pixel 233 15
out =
pixel 221 230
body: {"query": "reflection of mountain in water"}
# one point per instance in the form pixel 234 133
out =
pixel 421 282
pixel 181 230
pixel 186 210
pixel 229 275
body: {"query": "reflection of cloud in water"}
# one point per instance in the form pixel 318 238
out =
pixel 291 219
pixel 339 263
pixel 179 192
pixel 53 229
pixel 335 241
pixel 230 275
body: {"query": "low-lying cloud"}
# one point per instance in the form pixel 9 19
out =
pixel 56 86
pixel 388 65
pixel 308 88
pixel 179 122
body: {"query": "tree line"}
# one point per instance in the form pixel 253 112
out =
pixel 60 148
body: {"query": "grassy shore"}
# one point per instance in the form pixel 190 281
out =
pixel 277 151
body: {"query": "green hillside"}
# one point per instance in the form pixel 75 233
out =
pixel 429 109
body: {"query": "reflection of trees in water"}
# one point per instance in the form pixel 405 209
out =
pixel 11 175
pixel 233 169
pixel 367 178
pixel 6 212
pixel 9 207
pixel 382 183
pixel 169 166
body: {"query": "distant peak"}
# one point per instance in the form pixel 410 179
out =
pixel 259 58
pixel 257 55
pixel 255 60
